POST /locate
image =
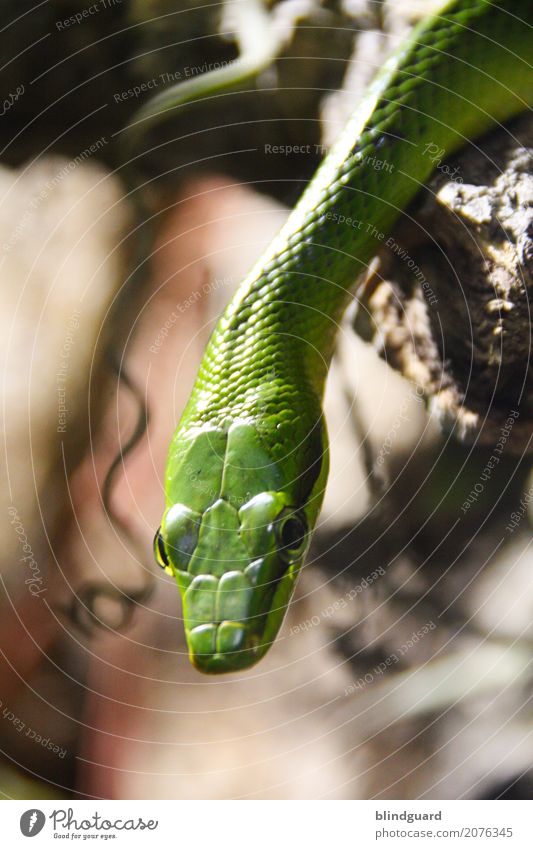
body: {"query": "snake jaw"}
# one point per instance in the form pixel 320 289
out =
pixel 224 647
pixel 231 621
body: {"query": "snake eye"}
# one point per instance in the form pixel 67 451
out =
pixel 177 542
pixel 160 551
pixel 292 534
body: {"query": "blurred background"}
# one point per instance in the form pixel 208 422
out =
pixel 404 668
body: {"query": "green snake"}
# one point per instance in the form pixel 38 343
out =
pixel 248 464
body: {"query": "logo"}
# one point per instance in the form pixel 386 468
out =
pixel 32 822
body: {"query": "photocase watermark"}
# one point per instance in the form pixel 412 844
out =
pixel 321 150
pixel 11 99
pixel 34 581
pixel 291 149
pixel 207 289
pixel 20 726
pixel 167 78
pixel 66 825
pixel 518 514
pixel 486 474
pixel 436 154
pixel 356 223
pixel 305 149
pixel 32 822
pixel 401 416
pixel 65 820
pixel 377 164
pixel 46 189
pixel 389 661
pixel 402 254
pixel 339 604
pixel 61 375
pixel 88 12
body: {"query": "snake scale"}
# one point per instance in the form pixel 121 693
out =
pixel 248 463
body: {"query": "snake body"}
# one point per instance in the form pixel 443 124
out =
pixel 248 464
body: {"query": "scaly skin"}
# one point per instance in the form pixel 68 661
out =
pixel 248 463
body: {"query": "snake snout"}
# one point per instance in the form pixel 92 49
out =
pixel 226 617
pixel 223 647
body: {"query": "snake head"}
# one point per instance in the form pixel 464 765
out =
pixel 233 608
pixel 235 554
